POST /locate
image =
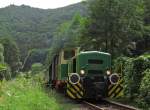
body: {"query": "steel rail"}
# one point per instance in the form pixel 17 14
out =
pixel 93 106
pixel 110 103
pixel 120 105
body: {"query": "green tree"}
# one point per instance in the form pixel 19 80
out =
pixel 147 12
pixel 4 68
pixel 112 23
pixel 5 72
pixel 147 25
pixel 67 35
pixel 1 54
pixel 11 54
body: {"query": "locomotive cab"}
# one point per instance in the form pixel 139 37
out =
pixel 58 69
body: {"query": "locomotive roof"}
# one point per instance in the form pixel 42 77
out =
pixel 88 52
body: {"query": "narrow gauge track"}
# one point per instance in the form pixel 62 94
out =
pixel 108 105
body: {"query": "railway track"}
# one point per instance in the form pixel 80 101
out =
pixel 108 105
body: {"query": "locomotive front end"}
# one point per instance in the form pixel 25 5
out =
pixel 90 77
pixel 94 68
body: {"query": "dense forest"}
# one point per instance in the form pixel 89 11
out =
pixel 30 37
pixel 32 29
pixel 117 27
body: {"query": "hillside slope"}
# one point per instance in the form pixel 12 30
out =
pixel 33 27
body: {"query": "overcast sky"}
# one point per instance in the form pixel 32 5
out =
pixel 45 4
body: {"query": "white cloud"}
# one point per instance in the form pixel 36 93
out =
pixel 39 3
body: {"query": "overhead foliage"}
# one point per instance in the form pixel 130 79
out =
pixel 113 23
pixel 147 12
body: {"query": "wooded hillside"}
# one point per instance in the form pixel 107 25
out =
pixel 33 27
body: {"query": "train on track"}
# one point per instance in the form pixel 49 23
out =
pixel 84 75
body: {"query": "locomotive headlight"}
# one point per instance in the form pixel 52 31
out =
pixel 108 72
pixel 82 72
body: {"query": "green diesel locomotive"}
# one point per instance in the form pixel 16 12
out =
pixel 84 75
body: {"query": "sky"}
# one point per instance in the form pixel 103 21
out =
pixel 45 4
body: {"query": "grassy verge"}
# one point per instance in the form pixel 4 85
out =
pixel 25 94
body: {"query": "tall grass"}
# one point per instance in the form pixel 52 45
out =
pixel 25 94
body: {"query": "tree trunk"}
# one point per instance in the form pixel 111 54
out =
pixel 106 42
pixel 112 47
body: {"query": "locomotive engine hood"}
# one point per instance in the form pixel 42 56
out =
pixel 93 63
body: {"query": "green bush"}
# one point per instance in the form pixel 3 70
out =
pixel 145 89
pixel 120 64
pixel 132 70
pixel 5 72
pixel 140 64
pixel 36 68
pixel 128 77
pixel 124 65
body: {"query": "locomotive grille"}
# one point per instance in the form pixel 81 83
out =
pixel 93 61
pixel 94 71
pixel 98 78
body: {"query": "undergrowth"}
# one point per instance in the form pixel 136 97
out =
pixel 25 94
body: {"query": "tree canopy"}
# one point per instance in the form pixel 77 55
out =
pixel 113 23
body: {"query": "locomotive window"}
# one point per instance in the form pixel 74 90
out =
pixel 93 61
pixel 69 54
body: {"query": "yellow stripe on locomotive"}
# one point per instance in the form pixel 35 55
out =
pixel 74 91
pixel 115 89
